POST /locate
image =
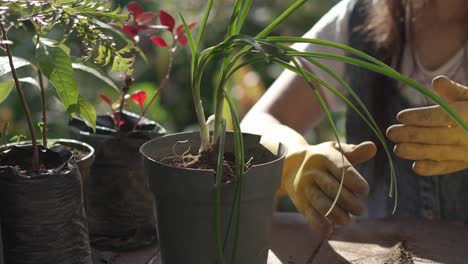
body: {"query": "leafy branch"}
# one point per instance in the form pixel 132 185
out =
pixel 88 20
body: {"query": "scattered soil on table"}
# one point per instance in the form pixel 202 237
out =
pixel 395 255
pixel 398 255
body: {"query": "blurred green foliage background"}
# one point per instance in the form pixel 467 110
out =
pixel 174 108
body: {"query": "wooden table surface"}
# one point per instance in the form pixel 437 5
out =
pixel 362 241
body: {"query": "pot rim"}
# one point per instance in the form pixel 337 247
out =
pixel 114 133
pixel 282 151
pixel 52 141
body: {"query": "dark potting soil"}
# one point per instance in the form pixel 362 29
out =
pixel 208 161
pixel 203 163
pixel 78 152
pixel 54 158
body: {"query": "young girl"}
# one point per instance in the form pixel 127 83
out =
pixel 421 39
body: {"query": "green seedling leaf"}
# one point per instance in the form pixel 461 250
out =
pixel 5 89
pixel 5 65
pixel 17 138
pixel 56 65
pixel 86 110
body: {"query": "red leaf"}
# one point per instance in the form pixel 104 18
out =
pixel 134 9
pixel 131 30
pixel 167 20
pixel 106 99
pixel 181 29
pixel 159 42
pixel 145 17
pixel 192 25
pixel 115 117
pixel 139 98
pixel 127 105
pixel 181 39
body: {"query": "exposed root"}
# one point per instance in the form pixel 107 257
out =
pixel 184 160
pixel 204 160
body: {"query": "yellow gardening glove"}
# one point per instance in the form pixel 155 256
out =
pixel 430 137
pixel 312 174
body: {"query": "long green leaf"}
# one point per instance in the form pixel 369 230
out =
pixel 7 86
pixel 5 66
pixel 280 19
pixel 228 62
pixel 232 27
pixel 95 73
pixel 56 65
pixel 204 129
pixel 31 81
pixel 5 89
pixel 370 122
pixel 243 15
pixel 325 108
pixel 239 170
pixel 218 184
pixel 367 119
pixel 201 28
pixel 329 44
pixel 393 74
pixel 188 32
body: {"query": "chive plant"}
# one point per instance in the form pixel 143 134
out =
pixel 238 50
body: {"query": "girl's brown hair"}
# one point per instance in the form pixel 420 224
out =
pixel 386 22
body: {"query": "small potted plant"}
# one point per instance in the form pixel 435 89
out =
pixel 41 192
pixel 119 205
pixel 214 190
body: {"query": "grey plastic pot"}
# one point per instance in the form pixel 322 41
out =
pixel 119 206
pixel 185 201
pixel 42 215
pixel 1 243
